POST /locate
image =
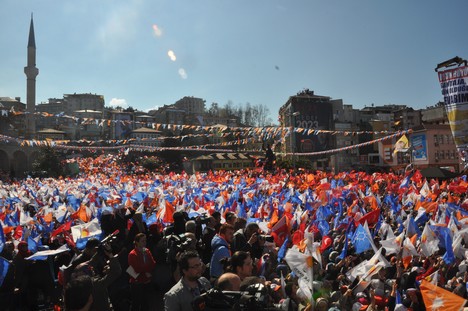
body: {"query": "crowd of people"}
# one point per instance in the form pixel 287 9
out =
pixel 233 240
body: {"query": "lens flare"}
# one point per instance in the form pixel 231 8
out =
pixel 157 31
pixel 182 73
pixel 171 55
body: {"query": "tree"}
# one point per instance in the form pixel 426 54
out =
pixel 172 157
pixel 49 161
pixel 213 110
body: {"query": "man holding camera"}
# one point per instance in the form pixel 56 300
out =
pixel 100 296
pixel 249 240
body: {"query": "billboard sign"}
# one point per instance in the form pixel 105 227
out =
pixel 418 143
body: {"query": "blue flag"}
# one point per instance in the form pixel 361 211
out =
pixel 32 244
pixel 361 240
pixel 283 249
pixel 2 239
pixel 448 257
pixel 4 264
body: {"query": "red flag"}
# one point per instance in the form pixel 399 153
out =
pixel 436 298
pixel 372 218
pixel 280 230
pixel 18 233
pixel 298 235
pixel 63 228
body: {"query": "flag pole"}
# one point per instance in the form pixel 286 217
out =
pixel 310 245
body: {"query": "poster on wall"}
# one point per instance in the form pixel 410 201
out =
pixel 455 91
pixel 313 116
pixel 418 142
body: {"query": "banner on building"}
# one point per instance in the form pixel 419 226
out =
pixel 418 142
pixel 454 84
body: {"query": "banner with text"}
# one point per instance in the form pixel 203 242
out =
pixel 454 84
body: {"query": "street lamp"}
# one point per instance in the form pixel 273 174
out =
pixel 292 142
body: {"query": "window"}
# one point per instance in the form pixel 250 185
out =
pixel 436 142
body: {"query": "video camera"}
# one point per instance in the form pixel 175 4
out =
pixel 265 238
pixel 176 243
pixel 202 220
pixel 109 243
pixel 255 298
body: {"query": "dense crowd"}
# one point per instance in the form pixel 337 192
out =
pixel 111 239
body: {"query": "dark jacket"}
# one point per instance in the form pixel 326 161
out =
pixel 100 285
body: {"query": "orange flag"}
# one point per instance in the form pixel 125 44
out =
pixel 48 218
pixel 274 219
pixel 436 298
pixel 82 214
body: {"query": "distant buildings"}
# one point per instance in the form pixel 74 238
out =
pixel 431 140
pixel 308 117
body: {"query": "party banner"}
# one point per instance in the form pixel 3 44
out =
pixel 455 91
pixel 418 142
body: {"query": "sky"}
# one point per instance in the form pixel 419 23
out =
pixel 150 53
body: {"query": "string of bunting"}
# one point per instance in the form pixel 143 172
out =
pixel 135 147
pixel 210 128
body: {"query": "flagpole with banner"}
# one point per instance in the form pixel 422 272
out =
pixel 310 246
pixel 454 84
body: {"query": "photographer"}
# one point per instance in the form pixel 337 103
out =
pixel 89 251
pixel 100 284
pixel 248 240
pixel 207 236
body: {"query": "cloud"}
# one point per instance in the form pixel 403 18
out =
pixel 183 73
pixel 149 109
pixel 118 102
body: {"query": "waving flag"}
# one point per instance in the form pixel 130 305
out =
pixel 372 218
pixel 401 145
pixel 433 278
pixel 438 299
pixel 408 252
pixel 449 256
pixel 4 265
pixel 62 229
pixel 429 241
pixel 361 240
pixel 2 238
pixel 392 245
pixel 280 231
pixel 300 264
pixel 283 249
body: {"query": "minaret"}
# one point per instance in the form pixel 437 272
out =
pixel 31 73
